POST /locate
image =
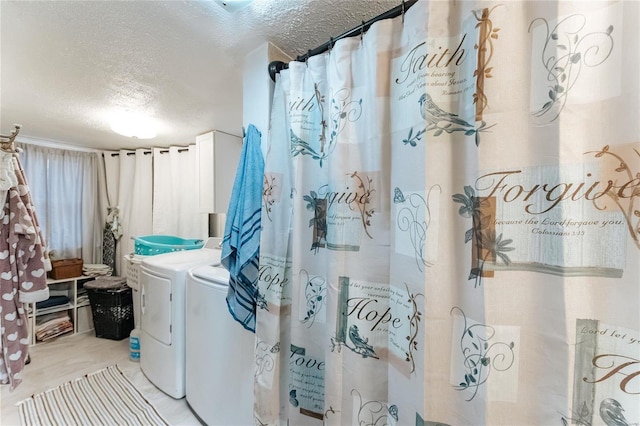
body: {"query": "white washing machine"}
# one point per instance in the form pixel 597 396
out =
pixel 162 307
pixel 219 352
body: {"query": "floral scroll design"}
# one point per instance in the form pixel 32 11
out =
pixel 414 322
pixel 374 413
pixel 315 291
pixel 265 356
pixel 481 354
pixel 413 139
pixel 485 53
pixel 299 146
pixel 631 211
pixel 268 188
pixel 567 48
pixel 581 418
pixel 343 109
pixel 330 411
pixel 362 202
pixel 489 246
pixel 414 218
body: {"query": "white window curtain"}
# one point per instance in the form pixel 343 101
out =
pixel 175 193
pixel 66 186
pixel 451 222
pixel 129 185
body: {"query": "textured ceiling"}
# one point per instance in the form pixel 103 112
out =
pixel 66 66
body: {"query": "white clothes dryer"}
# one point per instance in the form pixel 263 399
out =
pixel 162 307
pixel 219 352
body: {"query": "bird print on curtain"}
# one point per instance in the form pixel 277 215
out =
pixel 611 412
pixel 433 114
pixel 415 276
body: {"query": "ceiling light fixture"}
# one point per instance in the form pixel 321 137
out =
pixel 233 5
pixel 134 125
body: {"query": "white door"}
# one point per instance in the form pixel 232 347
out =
pixel 155 306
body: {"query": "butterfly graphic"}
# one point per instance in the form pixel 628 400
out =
pixel 393 410
pixel 398 196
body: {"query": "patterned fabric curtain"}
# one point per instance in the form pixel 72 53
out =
pixel 451 222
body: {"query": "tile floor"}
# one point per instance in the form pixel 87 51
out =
pixel 68 357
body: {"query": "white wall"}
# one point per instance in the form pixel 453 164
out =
pixel 258 88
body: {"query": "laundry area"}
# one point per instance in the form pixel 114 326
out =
pixel 320 212
pixel 184 325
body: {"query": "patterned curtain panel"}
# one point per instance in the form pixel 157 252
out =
pixel 451 222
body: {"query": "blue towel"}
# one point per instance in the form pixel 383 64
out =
pixel 241 242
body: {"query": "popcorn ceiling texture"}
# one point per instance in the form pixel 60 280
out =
pixel 66 64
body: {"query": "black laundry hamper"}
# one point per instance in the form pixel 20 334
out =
pixel 112 307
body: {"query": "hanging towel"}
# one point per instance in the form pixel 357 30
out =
pixel 241 242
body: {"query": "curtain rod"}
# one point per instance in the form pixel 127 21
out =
pixel 162 151
pixel 115 154
pixel 277 66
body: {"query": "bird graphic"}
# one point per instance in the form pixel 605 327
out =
pixel 433 114
pixel 611 413
pixel 293 400
pixel 361 345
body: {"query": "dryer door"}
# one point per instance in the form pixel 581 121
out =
pixel 155 306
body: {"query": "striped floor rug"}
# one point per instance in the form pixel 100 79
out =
pixel 105 397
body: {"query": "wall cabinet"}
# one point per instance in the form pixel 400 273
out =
pixel 77 308
pixel 218 155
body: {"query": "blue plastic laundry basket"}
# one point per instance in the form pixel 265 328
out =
pixel 157 244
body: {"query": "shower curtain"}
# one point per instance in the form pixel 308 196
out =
pixel 451 222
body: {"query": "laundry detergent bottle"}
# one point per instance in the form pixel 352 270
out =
pixel 134 345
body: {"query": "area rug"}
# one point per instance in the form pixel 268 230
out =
pixel 105 397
